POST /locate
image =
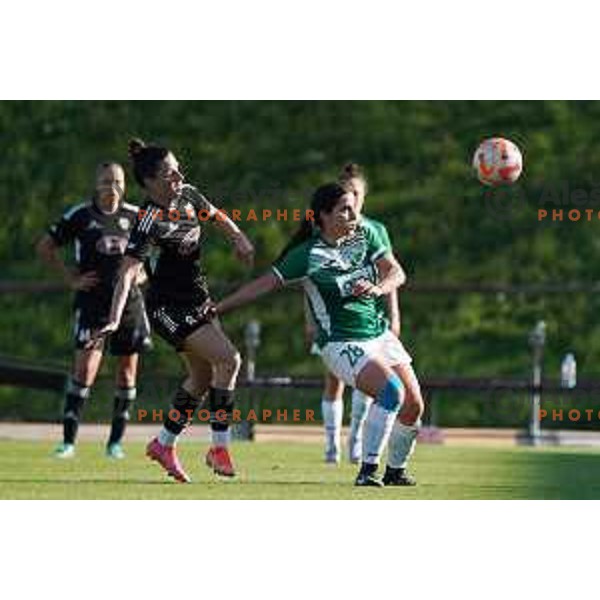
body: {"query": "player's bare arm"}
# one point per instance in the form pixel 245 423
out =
pixel 248 293
pixel 127 275
pixel 391 276
pixel 243 247
pixel 49 253
pixel 393 310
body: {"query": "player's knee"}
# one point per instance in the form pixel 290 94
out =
pixel 84 373
pixel 334 387
pixel 76 395
pixel 127 369
pixel 126 377
pixel 197 385
pixel 124 399
pixel 230 363
pixel 391 397
pixel 412 409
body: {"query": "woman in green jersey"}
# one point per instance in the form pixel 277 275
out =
pixel 332 405
pixel 344 268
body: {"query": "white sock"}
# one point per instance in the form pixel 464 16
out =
pixel 402 444
pixel 360 407
pixel 167 438
pixel 221 438
pixel 378 426
pixel 333 412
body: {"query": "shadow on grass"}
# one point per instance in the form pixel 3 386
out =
pixel 559 474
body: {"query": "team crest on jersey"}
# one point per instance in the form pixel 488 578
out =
pixel 347 281
pixel 123 223
pixel 111 245
pixel 353 254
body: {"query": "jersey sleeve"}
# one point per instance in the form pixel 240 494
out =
pixel 141 238
pixel 376 247
pixel 293 265
pixel 66 229
pixel 384 236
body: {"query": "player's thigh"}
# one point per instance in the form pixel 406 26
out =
pixel 211 344
pixel 373 377
pixel 86 365
pixel 333 387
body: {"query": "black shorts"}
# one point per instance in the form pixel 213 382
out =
pixel 175 322
pixel 132 337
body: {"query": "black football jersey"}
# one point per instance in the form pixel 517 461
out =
pixel 169 241
pixel 100 240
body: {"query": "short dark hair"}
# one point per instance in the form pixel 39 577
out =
pixel 145 159
pixel 105 164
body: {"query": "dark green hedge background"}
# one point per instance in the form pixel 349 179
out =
pixel 271 155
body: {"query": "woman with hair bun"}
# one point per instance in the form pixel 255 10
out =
pixel 175 299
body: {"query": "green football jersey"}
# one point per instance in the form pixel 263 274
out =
pixel 328 274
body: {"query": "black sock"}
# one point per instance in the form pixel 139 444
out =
pixel 74 401
pixel 394 470
pixel 123 402
pixel 220 401
pixel 368 469
pixel 186 405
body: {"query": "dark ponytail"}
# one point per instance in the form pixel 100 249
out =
pixel 352 171
pixel 323 200
pixel 303 233
pixel 145 159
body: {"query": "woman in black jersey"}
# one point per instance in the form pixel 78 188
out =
pixel 171 221
pixel 99 230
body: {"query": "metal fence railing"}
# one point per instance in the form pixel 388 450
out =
pixel 484 402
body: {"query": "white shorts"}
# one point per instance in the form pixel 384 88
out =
pixel 315 350
pixel 347 359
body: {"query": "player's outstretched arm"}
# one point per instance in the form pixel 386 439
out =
pixel 128 273
pixel 248 293
pixel 244 249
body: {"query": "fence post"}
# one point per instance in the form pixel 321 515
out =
pixel 252 343
pixel 537 340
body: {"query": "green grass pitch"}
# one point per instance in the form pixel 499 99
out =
pixel 295 471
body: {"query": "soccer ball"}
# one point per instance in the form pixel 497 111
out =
pixel 497 161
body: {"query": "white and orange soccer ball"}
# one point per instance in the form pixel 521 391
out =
pixel 497 161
